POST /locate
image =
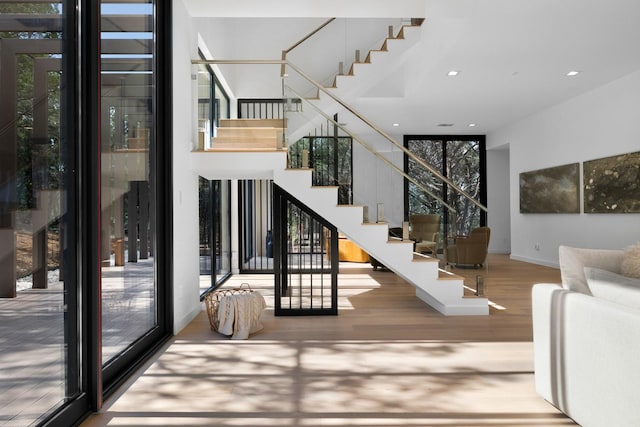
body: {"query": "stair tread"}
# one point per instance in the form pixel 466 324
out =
pixel 424 258
pixel 246 139
pixel 250 129
pixel 446 275
pixel 241 149
pixel 399 241
pixel 250 123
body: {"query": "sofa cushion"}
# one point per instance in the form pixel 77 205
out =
pixel 631 261
pixel 574 260
pixel 613 287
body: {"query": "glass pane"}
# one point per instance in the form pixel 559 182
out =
pixel 257 225
pixel 128 204
pixel 37 288
pixel 223 233
pixel 463 168
pixel 331 160
pixel 205 130
pixel 205 215
pixel 419 201
pixel 221 104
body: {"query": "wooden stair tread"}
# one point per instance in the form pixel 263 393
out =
pixel 400 241
pixel 423 258
pixel 241 149
pixel 446 275
pixel 249 138
pixel 251 123
pixel 248 132
pixel 375 223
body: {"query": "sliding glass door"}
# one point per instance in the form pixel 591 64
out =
pixel 38 283
pixel 214 195
pixel 84 151
pixel 133 187
pixel 128 203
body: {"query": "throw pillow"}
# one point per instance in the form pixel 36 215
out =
pixel 613 287
pixel 631 261
pixel 574 260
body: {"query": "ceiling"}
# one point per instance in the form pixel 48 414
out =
pixel 513 56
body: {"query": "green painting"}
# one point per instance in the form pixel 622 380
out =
pixel 551 190
pixel 612 184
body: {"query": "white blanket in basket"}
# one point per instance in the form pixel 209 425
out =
pixel 239 315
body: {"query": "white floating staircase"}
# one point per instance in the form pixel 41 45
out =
pixel 438 288
pixel 377 66
pixel 238 153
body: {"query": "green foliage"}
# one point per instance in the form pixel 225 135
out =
pixel 36 160
pixel 462 166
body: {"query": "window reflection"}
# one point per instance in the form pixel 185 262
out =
pixel 127 196
pixel 35 284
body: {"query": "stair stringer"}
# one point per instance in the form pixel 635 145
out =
pixel 350 86
pixel 446 296
pixel 364 75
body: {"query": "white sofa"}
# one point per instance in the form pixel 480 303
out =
pixel 587 348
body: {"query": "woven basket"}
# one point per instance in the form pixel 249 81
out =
pixel 212 301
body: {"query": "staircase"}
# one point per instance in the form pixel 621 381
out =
pixel 251 149
pixel 440 289
pixel 249 135
pixel 379 64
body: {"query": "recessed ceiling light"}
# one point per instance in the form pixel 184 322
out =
pixel 573 73
pixel 395 125
pixel 472 125
pixel 453 73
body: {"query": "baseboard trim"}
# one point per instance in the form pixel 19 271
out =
pixel 534 261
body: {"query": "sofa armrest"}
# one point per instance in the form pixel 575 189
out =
pixel 586 356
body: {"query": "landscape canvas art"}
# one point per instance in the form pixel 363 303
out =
pixel 551 190
pixel 612 184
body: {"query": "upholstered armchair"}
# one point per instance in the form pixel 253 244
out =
pixel 425 231
pixel 471 249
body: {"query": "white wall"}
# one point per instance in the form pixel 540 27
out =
pixel 498 203
pixel 186 268
pixel 265 38
pixel 601 123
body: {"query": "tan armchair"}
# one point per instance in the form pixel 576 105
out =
pixel 470 250
pixel 425 231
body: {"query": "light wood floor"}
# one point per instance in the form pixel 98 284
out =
pixel 387 359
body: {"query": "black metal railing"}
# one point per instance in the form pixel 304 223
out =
pixel 269 108
pixel 306 273
pixel 330 156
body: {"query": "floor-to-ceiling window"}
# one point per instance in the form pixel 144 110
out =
pixel 80 167
pixel 459 158
pixel 214 195
pixel 127 197
pixel 131 144
pixel 38 286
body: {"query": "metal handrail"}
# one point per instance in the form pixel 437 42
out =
pixel 408 152
pixel 404 149
pixel 375 153
pixel 283 71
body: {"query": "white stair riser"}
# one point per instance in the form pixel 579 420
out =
pixel 444 295
pixel 235 165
